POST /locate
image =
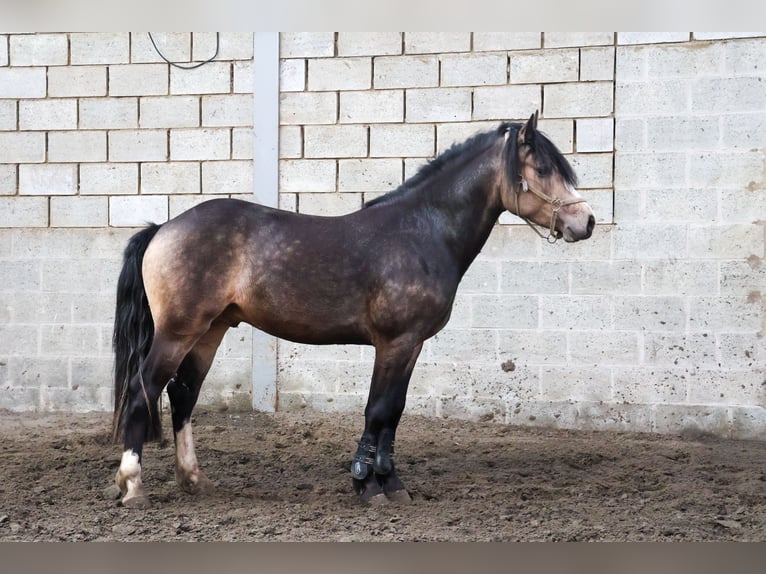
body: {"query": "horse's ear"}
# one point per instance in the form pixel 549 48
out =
pixel 527 131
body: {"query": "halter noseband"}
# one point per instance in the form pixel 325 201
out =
pixel 556 204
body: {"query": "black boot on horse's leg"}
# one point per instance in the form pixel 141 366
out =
pixel 366 483
pixel 374 474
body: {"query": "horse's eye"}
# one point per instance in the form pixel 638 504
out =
pixel 543 171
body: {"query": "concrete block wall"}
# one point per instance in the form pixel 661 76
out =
pixel 657 322
pixel 689 174
pixel 654 324
pixel 98 135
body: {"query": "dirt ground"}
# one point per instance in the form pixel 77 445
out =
pixel 285 476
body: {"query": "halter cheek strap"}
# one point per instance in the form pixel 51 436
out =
pixel 556 205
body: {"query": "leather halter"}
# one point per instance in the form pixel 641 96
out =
pixel 555 202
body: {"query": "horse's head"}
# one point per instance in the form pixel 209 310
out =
pixel 540 185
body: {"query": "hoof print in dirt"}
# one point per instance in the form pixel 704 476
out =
pixel 135 502
pixel 111 492
pixel 399 497
pixel 377 500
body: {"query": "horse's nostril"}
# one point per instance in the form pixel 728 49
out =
pixel 591 224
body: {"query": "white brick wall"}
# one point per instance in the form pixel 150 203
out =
pixel 650 324
pixel 77 146
pixel 308 108
pixel 74 81
pixel 138 145
pixel 105 113
pixel 229 110
pixel 474 69
pixel 79 211
pixel 3 49
pixel 109 179
pixel 372 107
pixel 175 45
pixel 504 102
pixel 208 143
pixel 212 78
pixel 182 177
pixel 22 147
pixel 483 41
pixel 138 80
pixel 22 83
pixel 666 130
pixel 48 179
pixel 424 42
pixel 93 138
pixel 99 48
pixel 170 112
pixel 53 114
pixel 306 44
pixel 307 176
pixel 137 211
pixel 369 44
pixel 406 72
pixel 7 179
pixel 438 105
pixel 369 174
pixel 329 74
pixel 7 115
pixel 39 50
pixel 335 141
pixel 545 66
pixel 227 177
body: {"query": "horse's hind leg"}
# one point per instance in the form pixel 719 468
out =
pixel 373 471
pixel 183 391
pixel 142 416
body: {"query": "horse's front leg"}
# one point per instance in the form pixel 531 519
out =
pixel 373 469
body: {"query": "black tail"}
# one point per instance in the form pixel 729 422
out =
pixel 133 332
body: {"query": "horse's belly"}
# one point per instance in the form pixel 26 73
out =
pixel 301 325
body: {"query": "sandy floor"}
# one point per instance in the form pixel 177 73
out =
pixel 285 477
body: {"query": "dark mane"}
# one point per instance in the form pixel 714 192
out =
pixel 477 143
pixel 546 153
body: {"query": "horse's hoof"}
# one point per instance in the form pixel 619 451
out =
pixel 377 500
pixel 399 497
pixel 138 501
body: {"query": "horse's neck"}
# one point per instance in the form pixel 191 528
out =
pixel 468 212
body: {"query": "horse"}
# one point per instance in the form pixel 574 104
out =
pixel 385 275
